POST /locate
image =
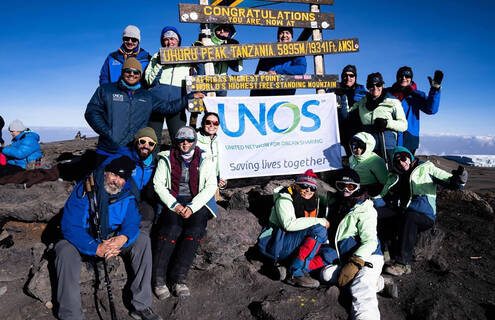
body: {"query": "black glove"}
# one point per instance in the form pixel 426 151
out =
pixel 339 91
pixel 380 124
pixel 459 177
pixel 436 82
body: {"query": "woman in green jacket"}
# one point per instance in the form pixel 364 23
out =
pixel 409 196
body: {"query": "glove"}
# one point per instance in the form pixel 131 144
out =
pixel 436 82
pixel 379 203
pixel 339 91
pixel 459 177
pixel 380 124
pixel 349 270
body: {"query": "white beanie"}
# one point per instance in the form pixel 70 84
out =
pixel 132 32
pixel 16 125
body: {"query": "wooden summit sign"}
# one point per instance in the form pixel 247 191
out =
pixel 195 13
pixel 257 50
pixel 260 82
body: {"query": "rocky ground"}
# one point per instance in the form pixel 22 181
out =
pixel 452 277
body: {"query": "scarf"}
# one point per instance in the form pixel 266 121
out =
pixel 372 104
pixel 303 208
pixel 398 91
pixel 126 55
pixel 132 88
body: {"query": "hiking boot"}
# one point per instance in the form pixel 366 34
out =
pixel 398 269
pixel 161 292
pixel 146 314
pixel 386 257
pixel 304 281
pixel 390 288
pixel 181 290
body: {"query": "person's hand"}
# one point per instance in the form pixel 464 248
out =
pixel 222 183
pixel 349 270
pixel 186 212
pixel 102 249
pixel 436 82
pixel 460 176
pixel 198 95
pixel 272 72
pixel 116 242
pixel 178 208
pixel 380 124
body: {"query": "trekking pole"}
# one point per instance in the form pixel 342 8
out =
pixel 384 150
pixel 93 204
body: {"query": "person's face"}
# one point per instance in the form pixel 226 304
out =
pixel 222 32
pixel 145 146
pixel 15 133
pixel 285 36
pixel 185 145
pixel 349 79
pixel 130 43
pixel 131 76
pixel 403 162
pixel 356 150
pixel 376 89
pixel 170 42
pixel 307 191
pixel 404 80
pixel 211 125
pixel 113 183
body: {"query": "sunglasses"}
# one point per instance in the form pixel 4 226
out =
pixel 349 75
pixel 130 39
pixel 143 142
pixel 401 157
pixel 190 140
pixel 406 74
pixel 306 186
pixel 347 186
pixel 358 144
pixel 377 85
pixel 212 123
pixel 133 71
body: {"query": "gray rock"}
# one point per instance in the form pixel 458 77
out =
pixel 429 243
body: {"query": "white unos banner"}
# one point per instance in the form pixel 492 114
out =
pixel 266 136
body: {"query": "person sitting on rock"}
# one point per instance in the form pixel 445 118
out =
pixel 25 148
pixel 208 141
pixel 186 183
pixel 370 167
pixel 119 224
pixel 409 196
pixel 353 255
pixel 297 227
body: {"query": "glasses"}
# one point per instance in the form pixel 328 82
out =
pixel 143 142
pixel 405 74
pixel 181 140
pixel 126 39
pixel 358 144
pixel 212 123
pixel 401 157
pixel 349 75
pixel 373 85
pixel 306 186
pixel 347 186
pixel 133 71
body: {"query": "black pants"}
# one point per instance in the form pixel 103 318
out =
pixel 414 222
pixel 9 169
pixel 176 245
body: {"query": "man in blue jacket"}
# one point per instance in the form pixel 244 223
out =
pixel 413 101
pixel 287 65
pixel 119 225
pixel 118 110
pixel 112 67
pixel 25 148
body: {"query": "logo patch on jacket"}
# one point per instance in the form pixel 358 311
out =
pixel 117 97
pixel 116 63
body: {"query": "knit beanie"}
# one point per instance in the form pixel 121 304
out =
pixel 405 70
pixel 308 178
pixel 132 32
pixel 171 34
pixel 374 78
pixel 349 68
pixel 132 63
pixel 146 132
pixel 346 175
pixel 16 125
pixel 122 166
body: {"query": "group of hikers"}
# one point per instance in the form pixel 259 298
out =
pixel 367 223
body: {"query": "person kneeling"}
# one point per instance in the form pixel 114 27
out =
pixel 186 183
pixel 297 227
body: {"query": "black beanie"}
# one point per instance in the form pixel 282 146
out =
pixel 374 78
pixel 347 175
pixel 404 70
pixel 122 167
pixel 349 68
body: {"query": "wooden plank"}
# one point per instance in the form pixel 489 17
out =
pixel 327 2
pixel 260 82
pixel 257 50
pixel 195 13
pixel 319 63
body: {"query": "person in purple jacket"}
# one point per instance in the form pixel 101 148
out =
pixel 413 101
pixel 287 65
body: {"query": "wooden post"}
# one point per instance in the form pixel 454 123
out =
pixel 318 60
pixel 209 66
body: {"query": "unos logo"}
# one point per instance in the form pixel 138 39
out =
pixel 265 118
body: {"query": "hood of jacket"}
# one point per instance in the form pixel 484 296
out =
pixel 27 133
pixel 370 145
pixel 169 28
pixel 217 40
